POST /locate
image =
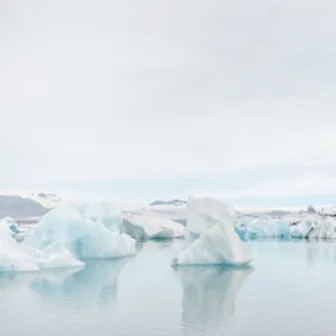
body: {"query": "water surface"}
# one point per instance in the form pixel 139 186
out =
pixel 289 291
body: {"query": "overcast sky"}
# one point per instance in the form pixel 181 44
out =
pixel 165 98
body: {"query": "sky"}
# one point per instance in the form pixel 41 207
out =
pixel 158 99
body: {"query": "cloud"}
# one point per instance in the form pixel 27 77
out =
pixel 107 91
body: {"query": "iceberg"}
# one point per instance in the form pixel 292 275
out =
pixel 211 235
pixel 19 257
pixel 83 232
pixel 105 212
pixel 292 227
pixel 262 227
pixel 303 228
pixel 145 227
pixel 314 227
pixel 328 210
pixel 328 230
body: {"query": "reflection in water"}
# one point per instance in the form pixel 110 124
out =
pixel 209 295
pixel 9 283
pixel 95 284
pixel 311 254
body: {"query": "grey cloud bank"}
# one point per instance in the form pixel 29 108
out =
pixel 107 90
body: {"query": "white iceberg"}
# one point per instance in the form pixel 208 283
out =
pixel 104 212
pixel 212 238
pixel 20 257
pixel 329 210
pixel 145 227
pixel 85 237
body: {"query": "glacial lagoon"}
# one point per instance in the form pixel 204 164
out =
pixel 288 291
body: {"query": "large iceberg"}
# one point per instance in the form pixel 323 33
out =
pixel 212 238
pixel 83 232
pixel 148 226
pixel 20 257
pixel 104 212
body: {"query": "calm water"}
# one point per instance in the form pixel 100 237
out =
pixel 290 291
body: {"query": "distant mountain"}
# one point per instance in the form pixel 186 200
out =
pixel 277 213
pixel 22 203
pixel 17 206
pixel 173 202
pixel 48 200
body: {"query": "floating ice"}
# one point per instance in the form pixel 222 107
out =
pixel 104 212
pixel 263 227
pixel 328 210
pixel 144 227
pixel 86 237
pixel 19 257
pixel 212 238
pixel 328 229
pixel 299 227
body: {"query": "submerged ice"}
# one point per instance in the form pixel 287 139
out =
pixel 212 238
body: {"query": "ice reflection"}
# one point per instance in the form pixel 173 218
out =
pixel 209 295
pixel 96 284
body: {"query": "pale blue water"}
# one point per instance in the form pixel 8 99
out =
pixel 290 291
